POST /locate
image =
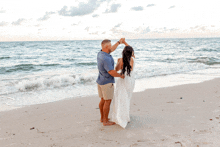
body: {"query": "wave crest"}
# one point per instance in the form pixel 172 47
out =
pixel 54 82
pixel 205 60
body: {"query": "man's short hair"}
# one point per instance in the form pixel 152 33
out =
pixel 105 41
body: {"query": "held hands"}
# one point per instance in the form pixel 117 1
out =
pixel 121 40
pixel 122 76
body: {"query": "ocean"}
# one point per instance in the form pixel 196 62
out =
pixel 36 72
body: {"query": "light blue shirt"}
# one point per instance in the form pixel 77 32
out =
pixel 105 63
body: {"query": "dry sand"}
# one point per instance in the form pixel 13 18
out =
pixel 186 115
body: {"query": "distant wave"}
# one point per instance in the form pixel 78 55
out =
pixel 70 59
pixel 32 46
pixel 4 58
pixel 22 43
pixel 88 63
pixel 20 67
pixel 209 49
pixel 48 65
pixel 24 67
pixel 167 60
pixel 205 60
pixel 4 47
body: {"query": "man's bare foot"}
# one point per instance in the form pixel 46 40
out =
pixel 108 123
pixel 102 120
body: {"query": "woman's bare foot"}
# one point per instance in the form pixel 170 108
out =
pixel 102 120
pixel 108 123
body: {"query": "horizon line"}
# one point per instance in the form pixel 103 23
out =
pixel 111 39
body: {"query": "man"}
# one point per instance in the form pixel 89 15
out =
pixel 106 78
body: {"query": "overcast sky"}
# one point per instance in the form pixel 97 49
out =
pixel 23 20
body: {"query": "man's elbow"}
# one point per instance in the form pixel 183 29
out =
pixel 111 72
pixel 116 69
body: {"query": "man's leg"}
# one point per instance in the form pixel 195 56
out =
pixel 102 101
pixel 106 109
pixel 101 105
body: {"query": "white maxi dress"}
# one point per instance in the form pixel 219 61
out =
pixel 122 97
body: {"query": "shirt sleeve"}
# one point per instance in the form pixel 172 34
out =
pixel 108 65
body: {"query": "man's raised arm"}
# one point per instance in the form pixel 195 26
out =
pixel 116 45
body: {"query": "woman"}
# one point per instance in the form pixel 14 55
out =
pixel 124 87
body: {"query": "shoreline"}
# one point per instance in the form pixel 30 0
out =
pixel 140 86
pixel 184 115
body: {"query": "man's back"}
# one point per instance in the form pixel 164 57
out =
pixel 105 64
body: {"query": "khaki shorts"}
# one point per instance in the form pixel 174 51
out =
pixel 106 91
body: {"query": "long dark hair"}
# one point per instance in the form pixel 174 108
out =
pixel 126 55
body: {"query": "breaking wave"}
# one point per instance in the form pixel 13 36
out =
pixel 54 82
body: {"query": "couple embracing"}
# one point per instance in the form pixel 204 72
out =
pixel 121 96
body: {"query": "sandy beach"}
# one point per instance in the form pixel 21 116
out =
pixel 180 116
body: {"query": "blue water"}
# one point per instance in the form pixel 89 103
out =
pixel 46 71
